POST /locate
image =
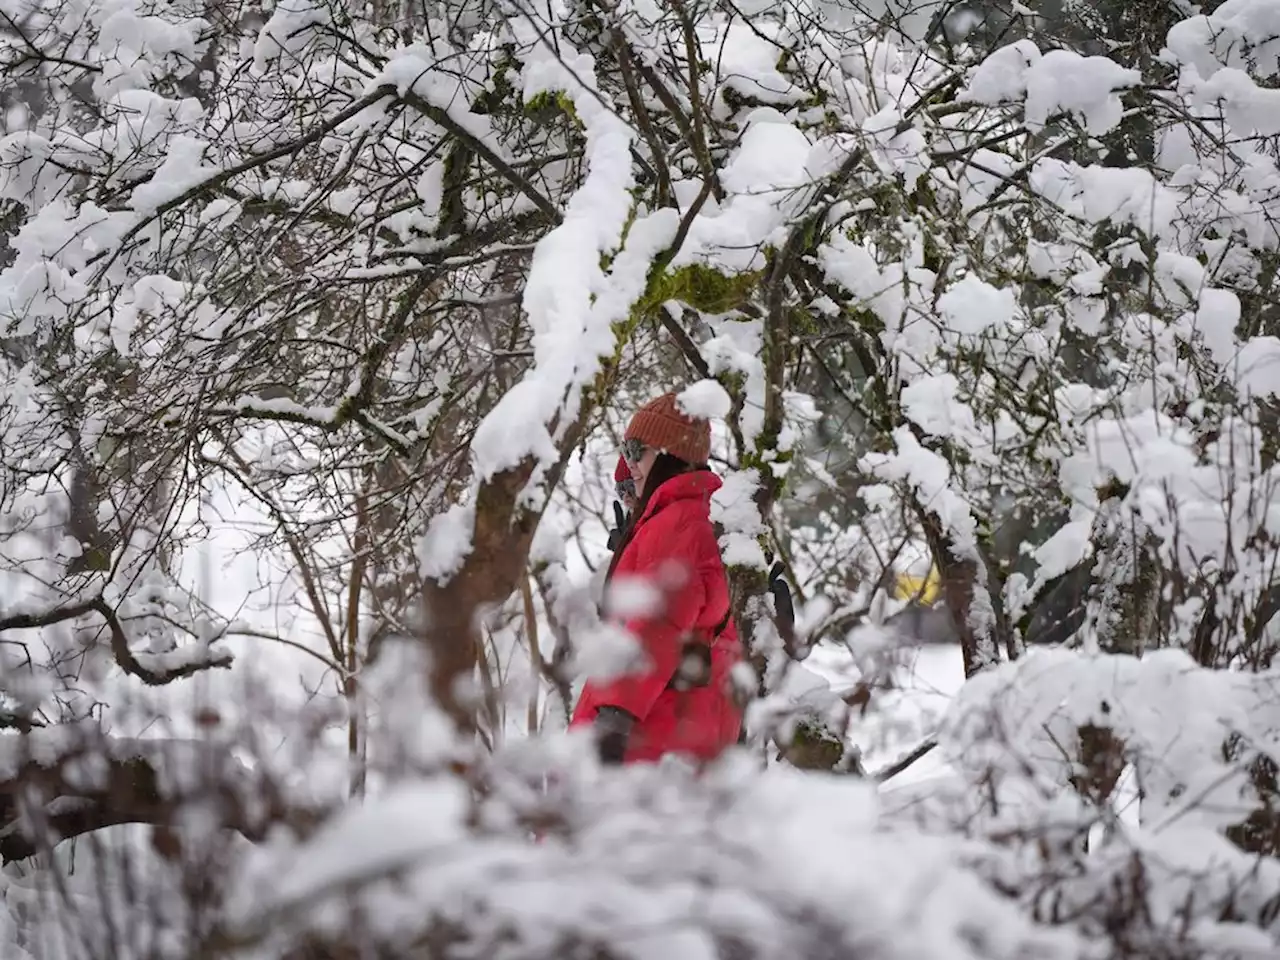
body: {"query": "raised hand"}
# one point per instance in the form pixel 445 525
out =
pixel 784 609
pixel 619 524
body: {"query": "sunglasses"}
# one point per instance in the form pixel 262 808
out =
pixel 633 450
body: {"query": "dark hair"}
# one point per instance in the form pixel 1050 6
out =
pixel 665 468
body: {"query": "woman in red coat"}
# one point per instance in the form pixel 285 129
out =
pixel 680 699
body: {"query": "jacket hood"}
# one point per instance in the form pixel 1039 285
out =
pixel 695 485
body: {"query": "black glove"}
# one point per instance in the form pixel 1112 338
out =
pixel 785 610
pixel 695 667
pixel 619 522
pixel 613 729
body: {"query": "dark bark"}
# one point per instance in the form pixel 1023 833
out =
pixel 45 802
pixel 965 579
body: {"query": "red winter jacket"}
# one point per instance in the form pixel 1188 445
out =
pixel 674 549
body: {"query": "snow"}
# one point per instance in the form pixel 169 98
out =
pixel 1171 716
pixel 736 348
pixel 1217 316
pixel 362 843
pixel 933 404
pixel 1247 107
pixel 1002 76
pixel 633 597
pixel 697 863
pixel 749 63
pixel 137 48
pixel 78 752
pixel 289 30
pixel 1057 82
pixel 1237 33
pixel 733 508
pixel 987 326
pixel 184 658
pixel 1064 550
pixel 446 543
pixel 765 178
pixel 417 69
pixel 706 400
pixel 1062 81
pixel 605 651
pixel 930 475
pixel 972 305
pixel 1258 366
pixel 570 299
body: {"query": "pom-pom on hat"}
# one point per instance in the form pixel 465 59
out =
pixel 661 424
pixel 623 482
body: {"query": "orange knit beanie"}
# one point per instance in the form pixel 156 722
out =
pixel 662 425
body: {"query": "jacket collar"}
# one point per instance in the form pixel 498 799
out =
pixel 695 485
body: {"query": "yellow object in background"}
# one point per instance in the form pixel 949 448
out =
pixel 923 589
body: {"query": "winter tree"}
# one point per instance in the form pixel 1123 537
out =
pixel 319 323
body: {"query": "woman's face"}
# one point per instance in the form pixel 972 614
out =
pixel 640 468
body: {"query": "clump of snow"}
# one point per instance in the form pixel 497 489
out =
pixel 706 400
pixel 1247 107
pixel 138 49
pixel 799 694
pixel 1172 717
pixel 932 402
pixel 1002 76
pixel 631 596
pixel 930 476
pixel 290 29
pixel 749 61
pixel 1238 33
pixel 973 305
pixel 361 844
pixel 1217 315
pixel 769 174
pixel 606 650
pixel 1064 82
pixel 183 169
pixel 447 542
pixel 733 507
pixel 1060 81
pixel 1258 366
pixel 735 348
pixel 899 148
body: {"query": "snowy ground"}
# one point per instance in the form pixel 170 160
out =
pixel 928 679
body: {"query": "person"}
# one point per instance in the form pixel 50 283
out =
pixel 625 487
pixel 680 699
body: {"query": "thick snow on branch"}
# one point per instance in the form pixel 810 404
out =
pixel 572 300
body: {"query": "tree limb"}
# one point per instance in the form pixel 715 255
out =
pixel 46 801
pixel 905 761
